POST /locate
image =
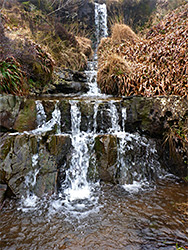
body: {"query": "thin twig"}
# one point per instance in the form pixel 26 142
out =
pixel 2 205
pixel 60 7
pixel 3 4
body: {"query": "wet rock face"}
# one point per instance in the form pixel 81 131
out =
pixel 164 120
pixel 69 82
pixel 127 159
pixel 23 155
pixel 106 155
pixel 9 109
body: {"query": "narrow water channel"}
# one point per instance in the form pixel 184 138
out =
pixel 141 212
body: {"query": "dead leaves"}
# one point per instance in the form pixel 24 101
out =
pixel 159 64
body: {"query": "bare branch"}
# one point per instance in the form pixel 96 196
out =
pixel 3 4
pixel 60 6
pixel 2 9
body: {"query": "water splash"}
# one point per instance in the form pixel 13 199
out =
pixel 53 123
pixel 41 116
pixel 29 202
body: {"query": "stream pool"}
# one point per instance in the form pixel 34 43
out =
pixel 121 218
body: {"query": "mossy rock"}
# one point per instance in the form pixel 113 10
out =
pixel 26 119
pixel 58 144
pixel 64 107
pixel 106 157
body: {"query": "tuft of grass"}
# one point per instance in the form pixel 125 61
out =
pixel 85 45
pixel 122 32
pixel 159 61
pixel 108 75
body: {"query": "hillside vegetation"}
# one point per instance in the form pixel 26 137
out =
pixel 32 44
pixel 153 66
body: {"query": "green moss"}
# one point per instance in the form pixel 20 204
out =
pixel 26 119
pixel 6 147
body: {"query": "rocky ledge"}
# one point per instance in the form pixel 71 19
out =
pixel 162 121
pixel 68 82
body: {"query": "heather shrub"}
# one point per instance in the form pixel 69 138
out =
pixel 64 35
pixel 36 62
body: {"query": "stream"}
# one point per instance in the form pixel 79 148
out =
pixel 140 212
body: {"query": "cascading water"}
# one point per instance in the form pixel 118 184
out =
pixel 101 21
pixel 76 187
pixel 101 31
pixel 77 173
pixel 83 214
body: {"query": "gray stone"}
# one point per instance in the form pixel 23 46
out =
pixel 3 188
pixel 106 155
pixel 9 109
pixel 16 162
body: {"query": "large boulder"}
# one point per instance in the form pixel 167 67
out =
pixel 25 158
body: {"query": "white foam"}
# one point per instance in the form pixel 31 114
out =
pixel 35 160
pixel 30 201
pixel 75 193
pixel 134 187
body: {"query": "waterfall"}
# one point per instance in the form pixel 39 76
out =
pixel 101 31
pixel 76 175
pixel 101 21
pixel 106 118
pixel 86 175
